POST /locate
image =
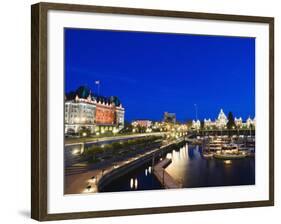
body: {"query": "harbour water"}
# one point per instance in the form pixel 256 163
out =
pixel 139 179
pixel 191 169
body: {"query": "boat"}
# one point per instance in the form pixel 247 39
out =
pixel 208 155
pixel 230 148
pixel 229 156
pixel 215 145
pixel 223 148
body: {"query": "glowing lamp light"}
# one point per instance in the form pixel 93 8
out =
pixel 227 162
pixel 136 183
pixel 169 156
pixel 75 152
pixel 132 183
pixel 146 172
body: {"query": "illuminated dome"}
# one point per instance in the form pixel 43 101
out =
pixel 221 115
pixel 222 120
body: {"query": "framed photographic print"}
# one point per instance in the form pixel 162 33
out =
pixel 139 111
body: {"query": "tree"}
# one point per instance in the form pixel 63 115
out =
pixel 202 124
pixel 128 128
pixel 231 122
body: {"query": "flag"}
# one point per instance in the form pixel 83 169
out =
pixel 97 82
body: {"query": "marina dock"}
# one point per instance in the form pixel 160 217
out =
pixel 167 181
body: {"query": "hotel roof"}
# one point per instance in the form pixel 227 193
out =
pixel 84 92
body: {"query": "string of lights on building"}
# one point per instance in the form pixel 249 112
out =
pixel 221 122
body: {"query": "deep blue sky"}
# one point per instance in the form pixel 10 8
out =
pixel 155 72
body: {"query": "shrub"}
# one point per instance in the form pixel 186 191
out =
pixel 116 145
pixel 94 149
pixel 108 147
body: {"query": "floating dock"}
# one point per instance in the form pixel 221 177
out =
pixel 164 178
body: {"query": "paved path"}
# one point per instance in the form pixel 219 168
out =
pixel 111 138
pixel 77 183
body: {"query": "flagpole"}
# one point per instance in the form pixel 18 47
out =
pixel 97 82
pixel 196 112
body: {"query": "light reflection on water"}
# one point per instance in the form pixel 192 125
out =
pixel 191 169
pixel 141 178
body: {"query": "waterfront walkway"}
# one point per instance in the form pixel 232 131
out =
pixel 78 183
pixel 163 177
pixel 88 181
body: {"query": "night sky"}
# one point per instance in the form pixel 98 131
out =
pixel 154 72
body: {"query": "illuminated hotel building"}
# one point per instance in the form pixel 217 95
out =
pixel 142 123
pixel 96 114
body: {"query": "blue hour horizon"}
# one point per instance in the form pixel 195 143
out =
pixel 153 73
